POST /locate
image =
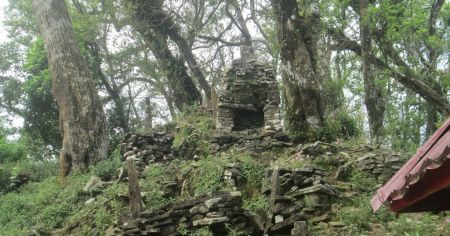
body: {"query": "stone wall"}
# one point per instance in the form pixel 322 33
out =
pixel 248 98
pixel 146 149
pixel 297 195
pixel 381 166
pixel 248 140
pixel 219 211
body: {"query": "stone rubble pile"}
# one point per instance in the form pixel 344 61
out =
pixel 380 166
pixel 233 176
pixel 250 140
pixel 218 211
pixel 297 195
pixel 313 150
pixel 146 149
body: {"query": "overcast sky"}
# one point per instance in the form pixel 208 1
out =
pixel 3 4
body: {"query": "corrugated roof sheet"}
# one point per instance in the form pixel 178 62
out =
pixel 430 156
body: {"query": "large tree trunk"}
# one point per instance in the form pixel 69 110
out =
pixel 148 25
pixel 150 14
pixel 183 89
pixel 373 96
pixel 301 81
pixel 82 119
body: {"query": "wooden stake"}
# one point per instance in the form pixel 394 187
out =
pixel 134 191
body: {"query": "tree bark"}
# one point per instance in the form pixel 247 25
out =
pixel 183 89
pixel 82 120
pixel 111 88
pixel 151 15
pixel 247 51
pixel 432 116
pixel 301 81
pixel 373 96
pixel 180 83
pixel 148 123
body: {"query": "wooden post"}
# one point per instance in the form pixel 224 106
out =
pixel 274 192
pixel 134 191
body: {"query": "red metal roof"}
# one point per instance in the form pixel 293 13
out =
pixel 422 183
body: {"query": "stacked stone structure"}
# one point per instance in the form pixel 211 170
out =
pixel 296 195
pixel 146 149
pixel 380 166
pixel 218 211
pixel 248 98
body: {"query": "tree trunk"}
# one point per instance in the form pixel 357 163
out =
pixel 180 83
pixel 403 74
pixel 183 89
pixel 301 81
pixel 373 96
pixel 151 16
pixel 432 116
pixel 82 120
pixel 111 88
pixel 148 123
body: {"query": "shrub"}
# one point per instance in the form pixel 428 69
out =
pixel 254 172
pixel 153 185
pixel 258 204
pixel 207 177
pixel 106 169
pixel 362 182
pixel 357 215
pixel 36 170
pixel 11 151
pixel 202 232
pixel 425 224
pixel 192 134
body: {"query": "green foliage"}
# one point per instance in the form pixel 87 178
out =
pixel 258 204
pixel 341 125
pixel 204 231
pixel 106 169
pixel 41 120
pixel 193 133
pixel 361 182
pixel 48 205
pixel 254 172
pixel 5 177
pixel 41 206
pixel 357 215
pixel 424 224
pixel 36 170
pixel 182 230
pixel 11 151
pixel 207 177
pixel 155 177
pixel 232 231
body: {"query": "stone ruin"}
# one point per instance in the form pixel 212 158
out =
pixel 248 112
pixel 248 98
pixel 295 195
pixel 218 211
pixel 146 149
pixel 381 166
